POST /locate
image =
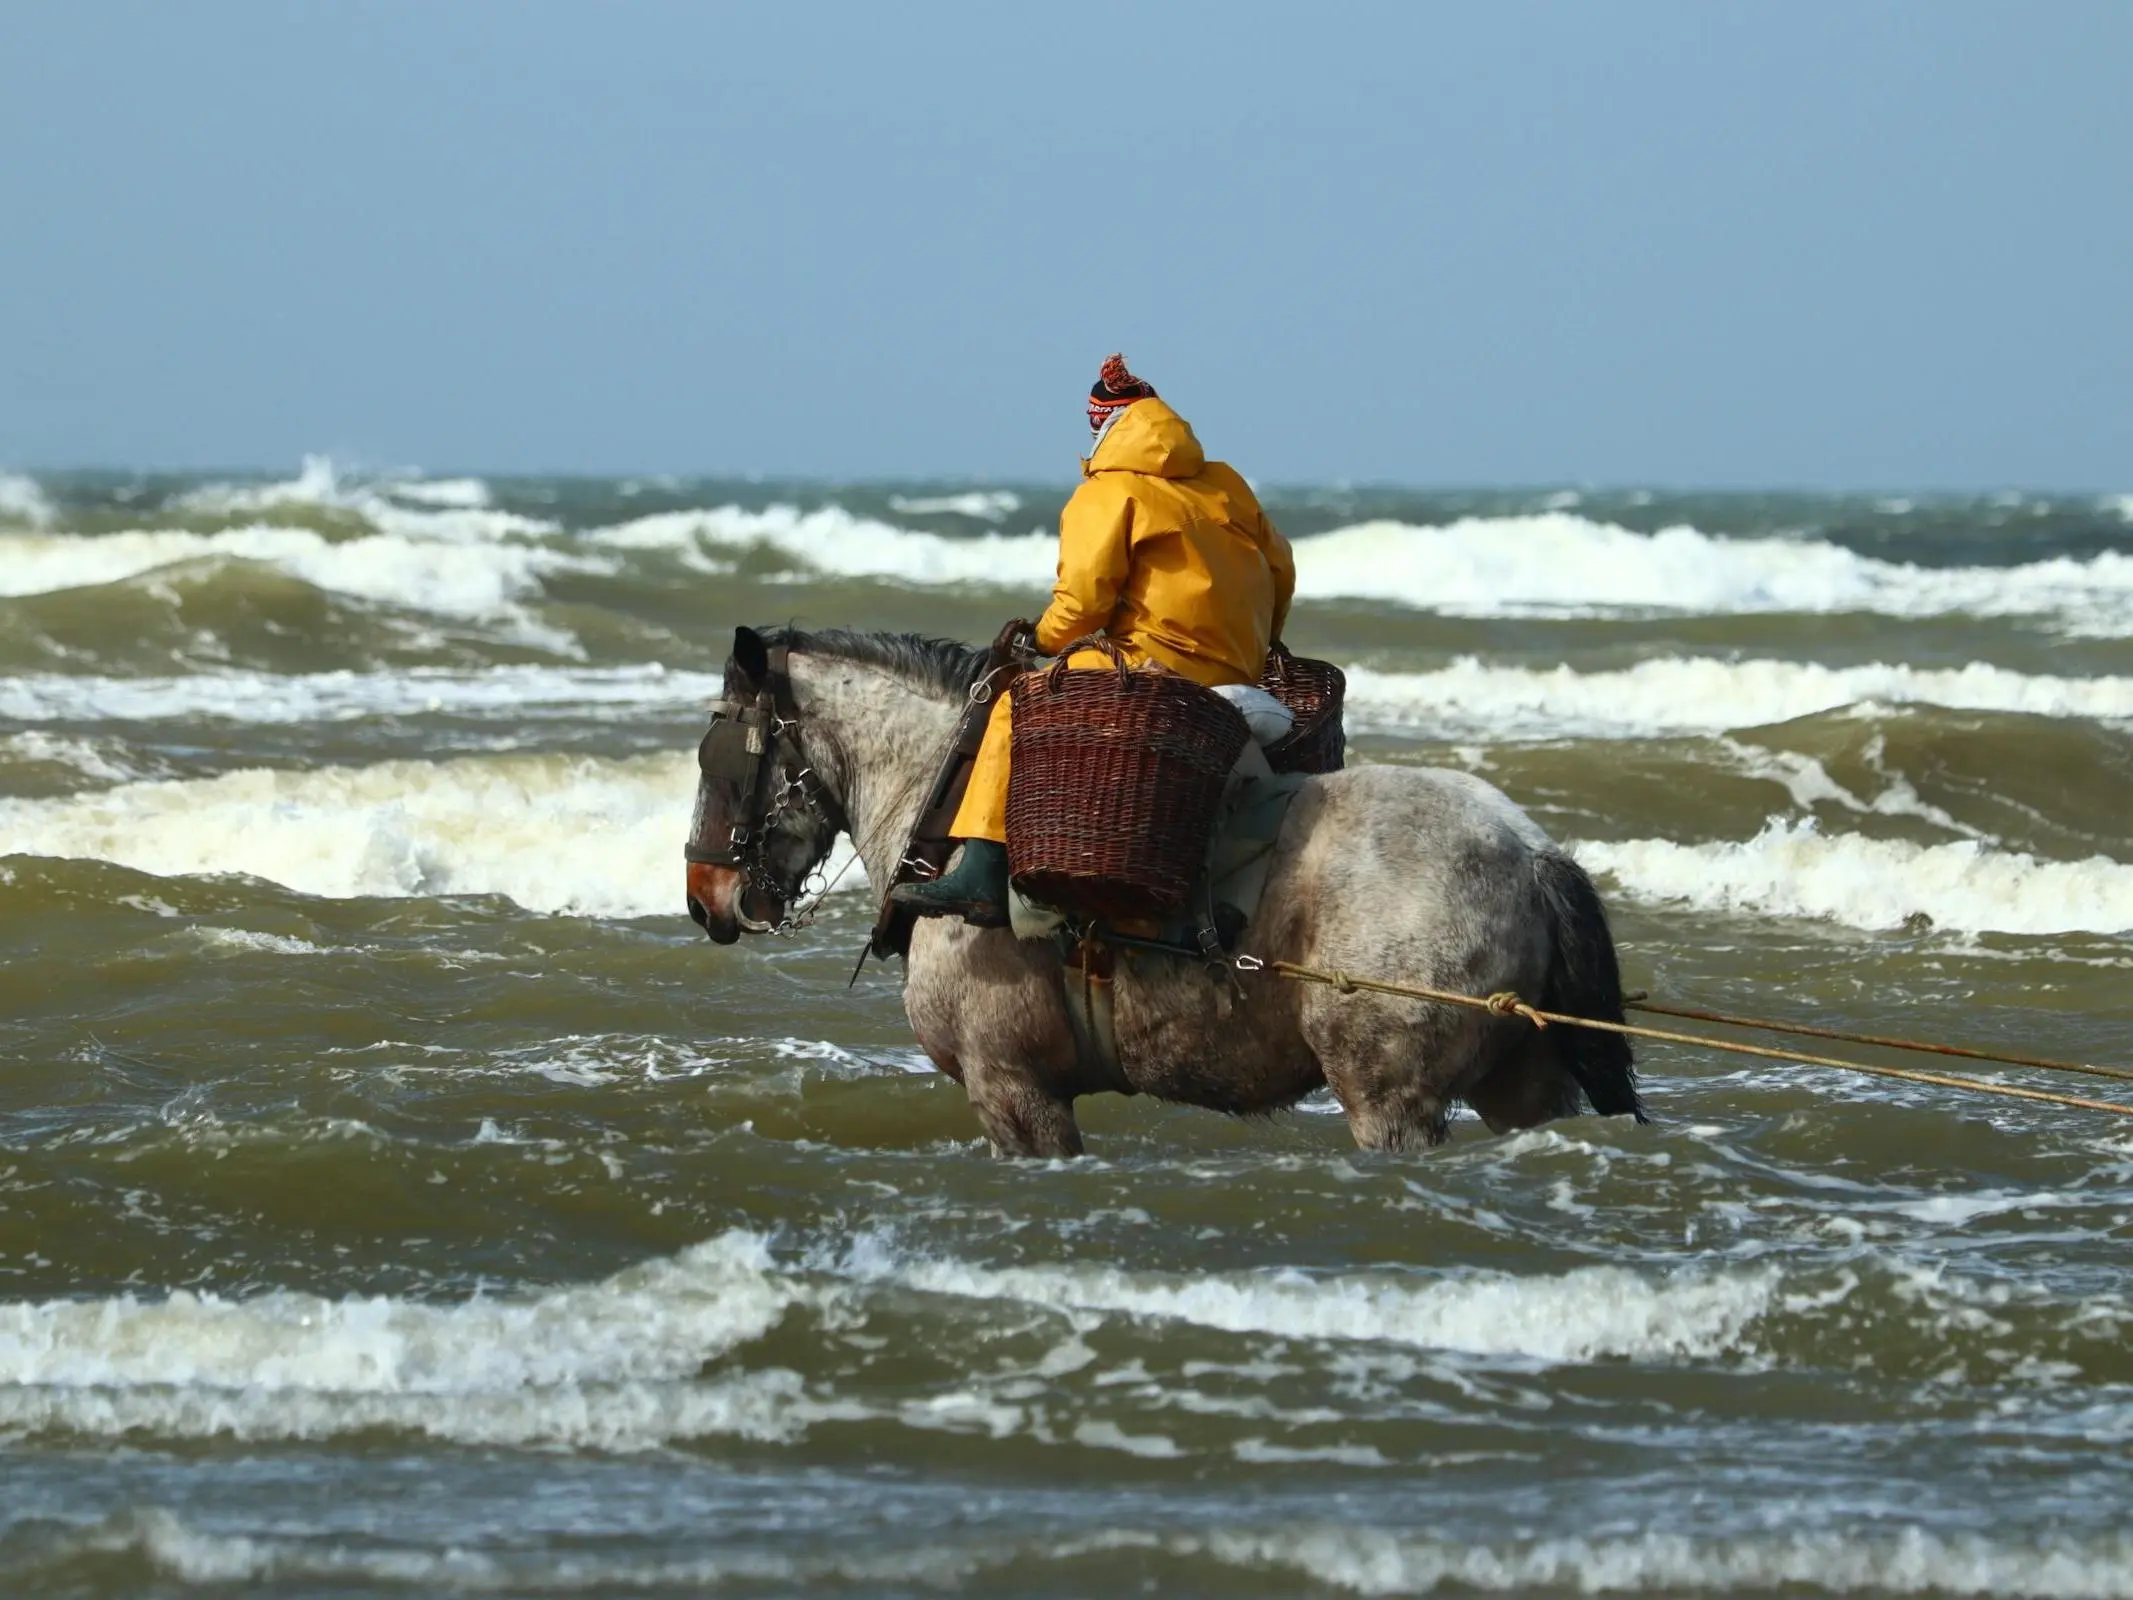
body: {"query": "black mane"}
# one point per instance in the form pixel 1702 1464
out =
pixel 942 665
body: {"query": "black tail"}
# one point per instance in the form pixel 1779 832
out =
pixel 1584 981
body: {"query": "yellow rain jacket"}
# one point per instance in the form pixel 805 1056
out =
pixel 1167 553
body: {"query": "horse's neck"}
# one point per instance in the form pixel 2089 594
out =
pixel 878 741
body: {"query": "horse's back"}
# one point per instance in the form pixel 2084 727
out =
pixel 1379 840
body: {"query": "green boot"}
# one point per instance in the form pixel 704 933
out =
pixel 975 889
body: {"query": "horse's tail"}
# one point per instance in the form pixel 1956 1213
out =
pixel 1584 981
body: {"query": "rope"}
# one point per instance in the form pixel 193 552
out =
pixel 1808 1030
pixel 1508 1004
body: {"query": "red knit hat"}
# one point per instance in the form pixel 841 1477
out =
pixel 1114 389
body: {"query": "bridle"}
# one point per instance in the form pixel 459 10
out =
pixel 754 745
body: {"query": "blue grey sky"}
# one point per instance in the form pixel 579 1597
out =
pixel 1690 244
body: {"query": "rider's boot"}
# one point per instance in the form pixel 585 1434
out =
pixel 975 889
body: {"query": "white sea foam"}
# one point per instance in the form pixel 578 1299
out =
pixel 465 580
pixel 1840 1561
pixel 1345 1556
pixel 554 833
pixel 516 692
pixel 1469 698
pixel 1696 694
pixel 987 505
pixel 97 759
pixel 613 1364
pixel 1550 562
pixel 833 540
pixel 22 500
pixel 1792 869
pixel 1587 1314
pixel 452 510
pixel 466 494
pixel 198 1555
pixel 1558 562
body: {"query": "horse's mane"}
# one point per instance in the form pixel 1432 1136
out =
pixel 941 665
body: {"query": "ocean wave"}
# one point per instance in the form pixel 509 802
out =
pixel 1357 1559
pixel 985 505
pixel 268 697
pixel 1584 1315
pixel 1559 563
pixel 1827 1561
pixel 463 494
pixel 195 1554
pixel 449 510
pixel 1469 699
pixel 612 1364
pixel 490 825
pixel 472 826
pixel 98 760
pixel 1547 563
pixel 834 541
pixel 485 582
pixel 1791 869
pixel 1697 694
pixel 23 500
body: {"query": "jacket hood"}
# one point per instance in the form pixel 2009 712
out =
pixel 1150 438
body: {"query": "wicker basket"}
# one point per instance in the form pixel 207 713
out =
pixel 1314 691
pixel 1114 783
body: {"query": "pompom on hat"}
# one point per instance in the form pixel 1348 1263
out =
pixel 1114 389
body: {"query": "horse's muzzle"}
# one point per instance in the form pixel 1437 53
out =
pixel 714 893
pixel 719 903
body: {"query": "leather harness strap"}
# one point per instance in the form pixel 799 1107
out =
pixel 740 748
pixel 926 852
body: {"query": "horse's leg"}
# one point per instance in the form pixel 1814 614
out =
pixel 1390 1064
pixel 1019 1116
pixel 1527 1087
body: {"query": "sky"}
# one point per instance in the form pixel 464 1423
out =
pixel 1868 244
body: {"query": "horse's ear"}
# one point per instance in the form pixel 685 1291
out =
pixel 751 657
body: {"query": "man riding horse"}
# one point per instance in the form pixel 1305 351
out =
pixel 1162 550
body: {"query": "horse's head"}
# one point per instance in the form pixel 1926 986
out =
pixel 764 820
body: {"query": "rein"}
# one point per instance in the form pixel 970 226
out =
pixel 753 744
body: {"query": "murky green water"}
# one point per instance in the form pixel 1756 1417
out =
pixel 397 1196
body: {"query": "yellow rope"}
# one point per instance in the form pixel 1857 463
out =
pixel 1504 1004
pixel 1642 1002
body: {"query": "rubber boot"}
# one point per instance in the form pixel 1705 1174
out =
pixel 975 889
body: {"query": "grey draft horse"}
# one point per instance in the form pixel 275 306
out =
pixel 1410 874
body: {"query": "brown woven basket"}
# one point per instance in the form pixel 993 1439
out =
pixel 1115 779
pixel 1314 691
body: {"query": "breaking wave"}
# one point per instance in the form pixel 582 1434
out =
pixel 465 827
pixel 1469 698
pixel 1140 1552
pixel 1898 1561
pixel 461 580
pixel 618 1363
pixel 22 500
pixel 1792 869
pixel 604 1365
pixel 1687 695
pixel 1587 1314
pixel 472 826
pixel 1553 562
pixel 1550 562
pixel 515 691
pixel 490 825
pixel 833 540
pixel 452 510
pixel 1557 562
